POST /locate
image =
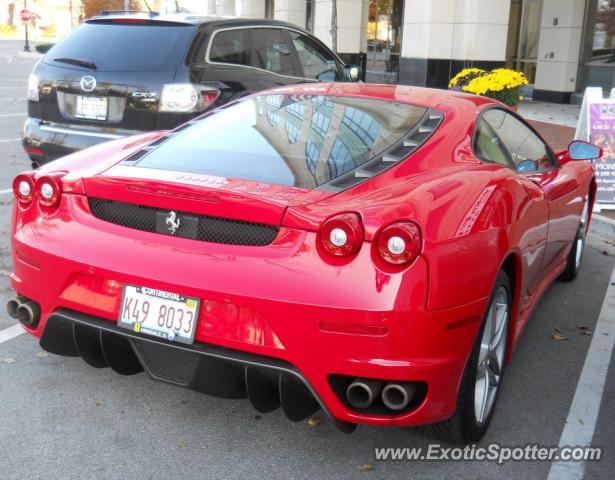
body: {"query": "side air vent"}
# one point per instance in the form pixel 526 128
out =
pixel 398 152
pixel 145 150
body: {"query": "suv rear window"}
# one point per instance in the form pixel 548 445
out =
pixel 297 140
pixel 126 47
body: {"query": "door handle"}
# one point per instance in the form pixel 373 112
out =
pixel 534 190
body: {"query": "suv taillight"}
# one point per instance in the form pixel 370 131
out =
pixel 186 97
pixel 33 87
pixel 342 235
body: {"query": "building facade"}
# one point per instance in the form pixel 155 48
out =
pixel 562 46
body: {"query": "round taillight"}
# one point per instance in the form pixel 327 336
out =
pixel 342 234
pixel 48 191
pixel 399 243
pixel 23 188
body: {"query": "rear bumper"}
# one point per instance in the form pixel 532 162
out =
pixel 268 382
pixel 263 301
pixel 55 140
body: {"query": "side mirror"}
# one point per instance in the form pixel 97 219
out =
pixel 352 73
pixel 580 150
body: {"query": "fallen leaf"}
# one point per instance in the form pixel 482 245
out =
pixel 557 330
pixel 583 330
pixel 314 421
pixel 181 444
pixel 98 403
pixel 558 337
pixel 41 354
pixel 7 360
pixel 365 467
pixel 5 273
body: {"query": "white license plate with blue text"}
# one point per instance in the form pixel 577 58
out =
pixel 92 108
pixel 159 313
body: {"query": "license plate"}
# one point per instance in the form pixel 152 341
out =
pixel 162 314
pixel 92 108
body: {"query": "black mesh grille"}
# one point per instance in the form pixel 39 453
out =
pixel 167 363
pixel 198 227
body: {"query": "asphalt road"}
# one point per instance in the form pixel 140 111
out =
pixel 60 418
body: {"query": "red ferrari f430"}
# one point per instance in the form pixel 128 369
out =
pixel 371 250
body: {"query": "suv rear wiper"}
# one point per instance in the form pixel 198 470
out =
pixel 76 61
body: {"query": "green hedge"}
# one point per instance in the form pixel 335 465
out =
pixel 44 47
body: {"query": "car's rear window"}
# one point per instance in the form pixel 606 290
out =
pixel 297 140
pixel 126 47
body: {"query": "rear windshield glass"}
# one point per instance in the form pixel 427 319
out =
pixel 297 140
pixel 116 47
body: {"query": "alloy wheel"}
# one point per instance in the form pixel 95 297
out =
pixel 491 356
pixel 581 237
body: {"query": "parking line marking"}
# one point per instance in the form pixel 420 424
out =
pixel 7 140
pixel 583 415
pixel 8 190
pixel 12 99
pixel 11 332
pixel 13 114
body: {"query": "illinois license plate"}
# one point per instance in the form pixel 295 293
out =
pixel 162 314
pixel 92 108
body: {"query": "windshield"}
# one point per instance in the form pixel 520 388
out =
pixel 117 47
pixel 296 140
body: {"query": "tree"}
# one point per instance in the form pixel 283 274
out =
pixel 94 7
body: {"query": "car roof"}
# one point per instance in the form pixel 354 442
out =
pixel 189 19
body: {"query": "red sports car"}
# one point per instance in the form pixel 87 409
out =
pixel 371 250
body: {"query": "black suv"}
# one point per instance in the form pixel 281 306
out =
pixel 124 73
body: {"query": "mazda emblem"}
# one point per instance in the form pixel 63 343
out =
pixel 88 83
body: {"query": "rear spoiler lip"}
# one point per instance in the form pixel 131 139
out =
pixel 138 20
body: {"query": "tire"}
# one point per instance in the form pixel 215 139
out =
pixel 573 263
pixel 484 368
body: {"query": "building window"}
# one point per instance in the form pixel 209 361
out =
pixel 598 68
pixel 269 8
pixel 309 15
pixel 523 35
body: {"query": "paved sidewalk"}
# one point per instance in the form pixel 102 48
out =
pixel 557 136
pixel 560 114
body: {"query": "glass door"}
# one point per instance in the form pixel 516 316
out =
pixel 384 31
pixel 523 35
pixel 598 68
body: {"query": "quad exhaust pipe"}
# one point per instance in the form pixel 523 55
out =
pixel 27 311
pixel 362 392
pixel 13 304
pixel 397 395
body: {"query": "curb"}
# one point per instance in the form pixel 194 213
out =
pixel 602 226
pixel 34 55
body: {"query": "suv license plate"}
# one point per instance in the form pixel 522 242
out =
pixel 92 108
